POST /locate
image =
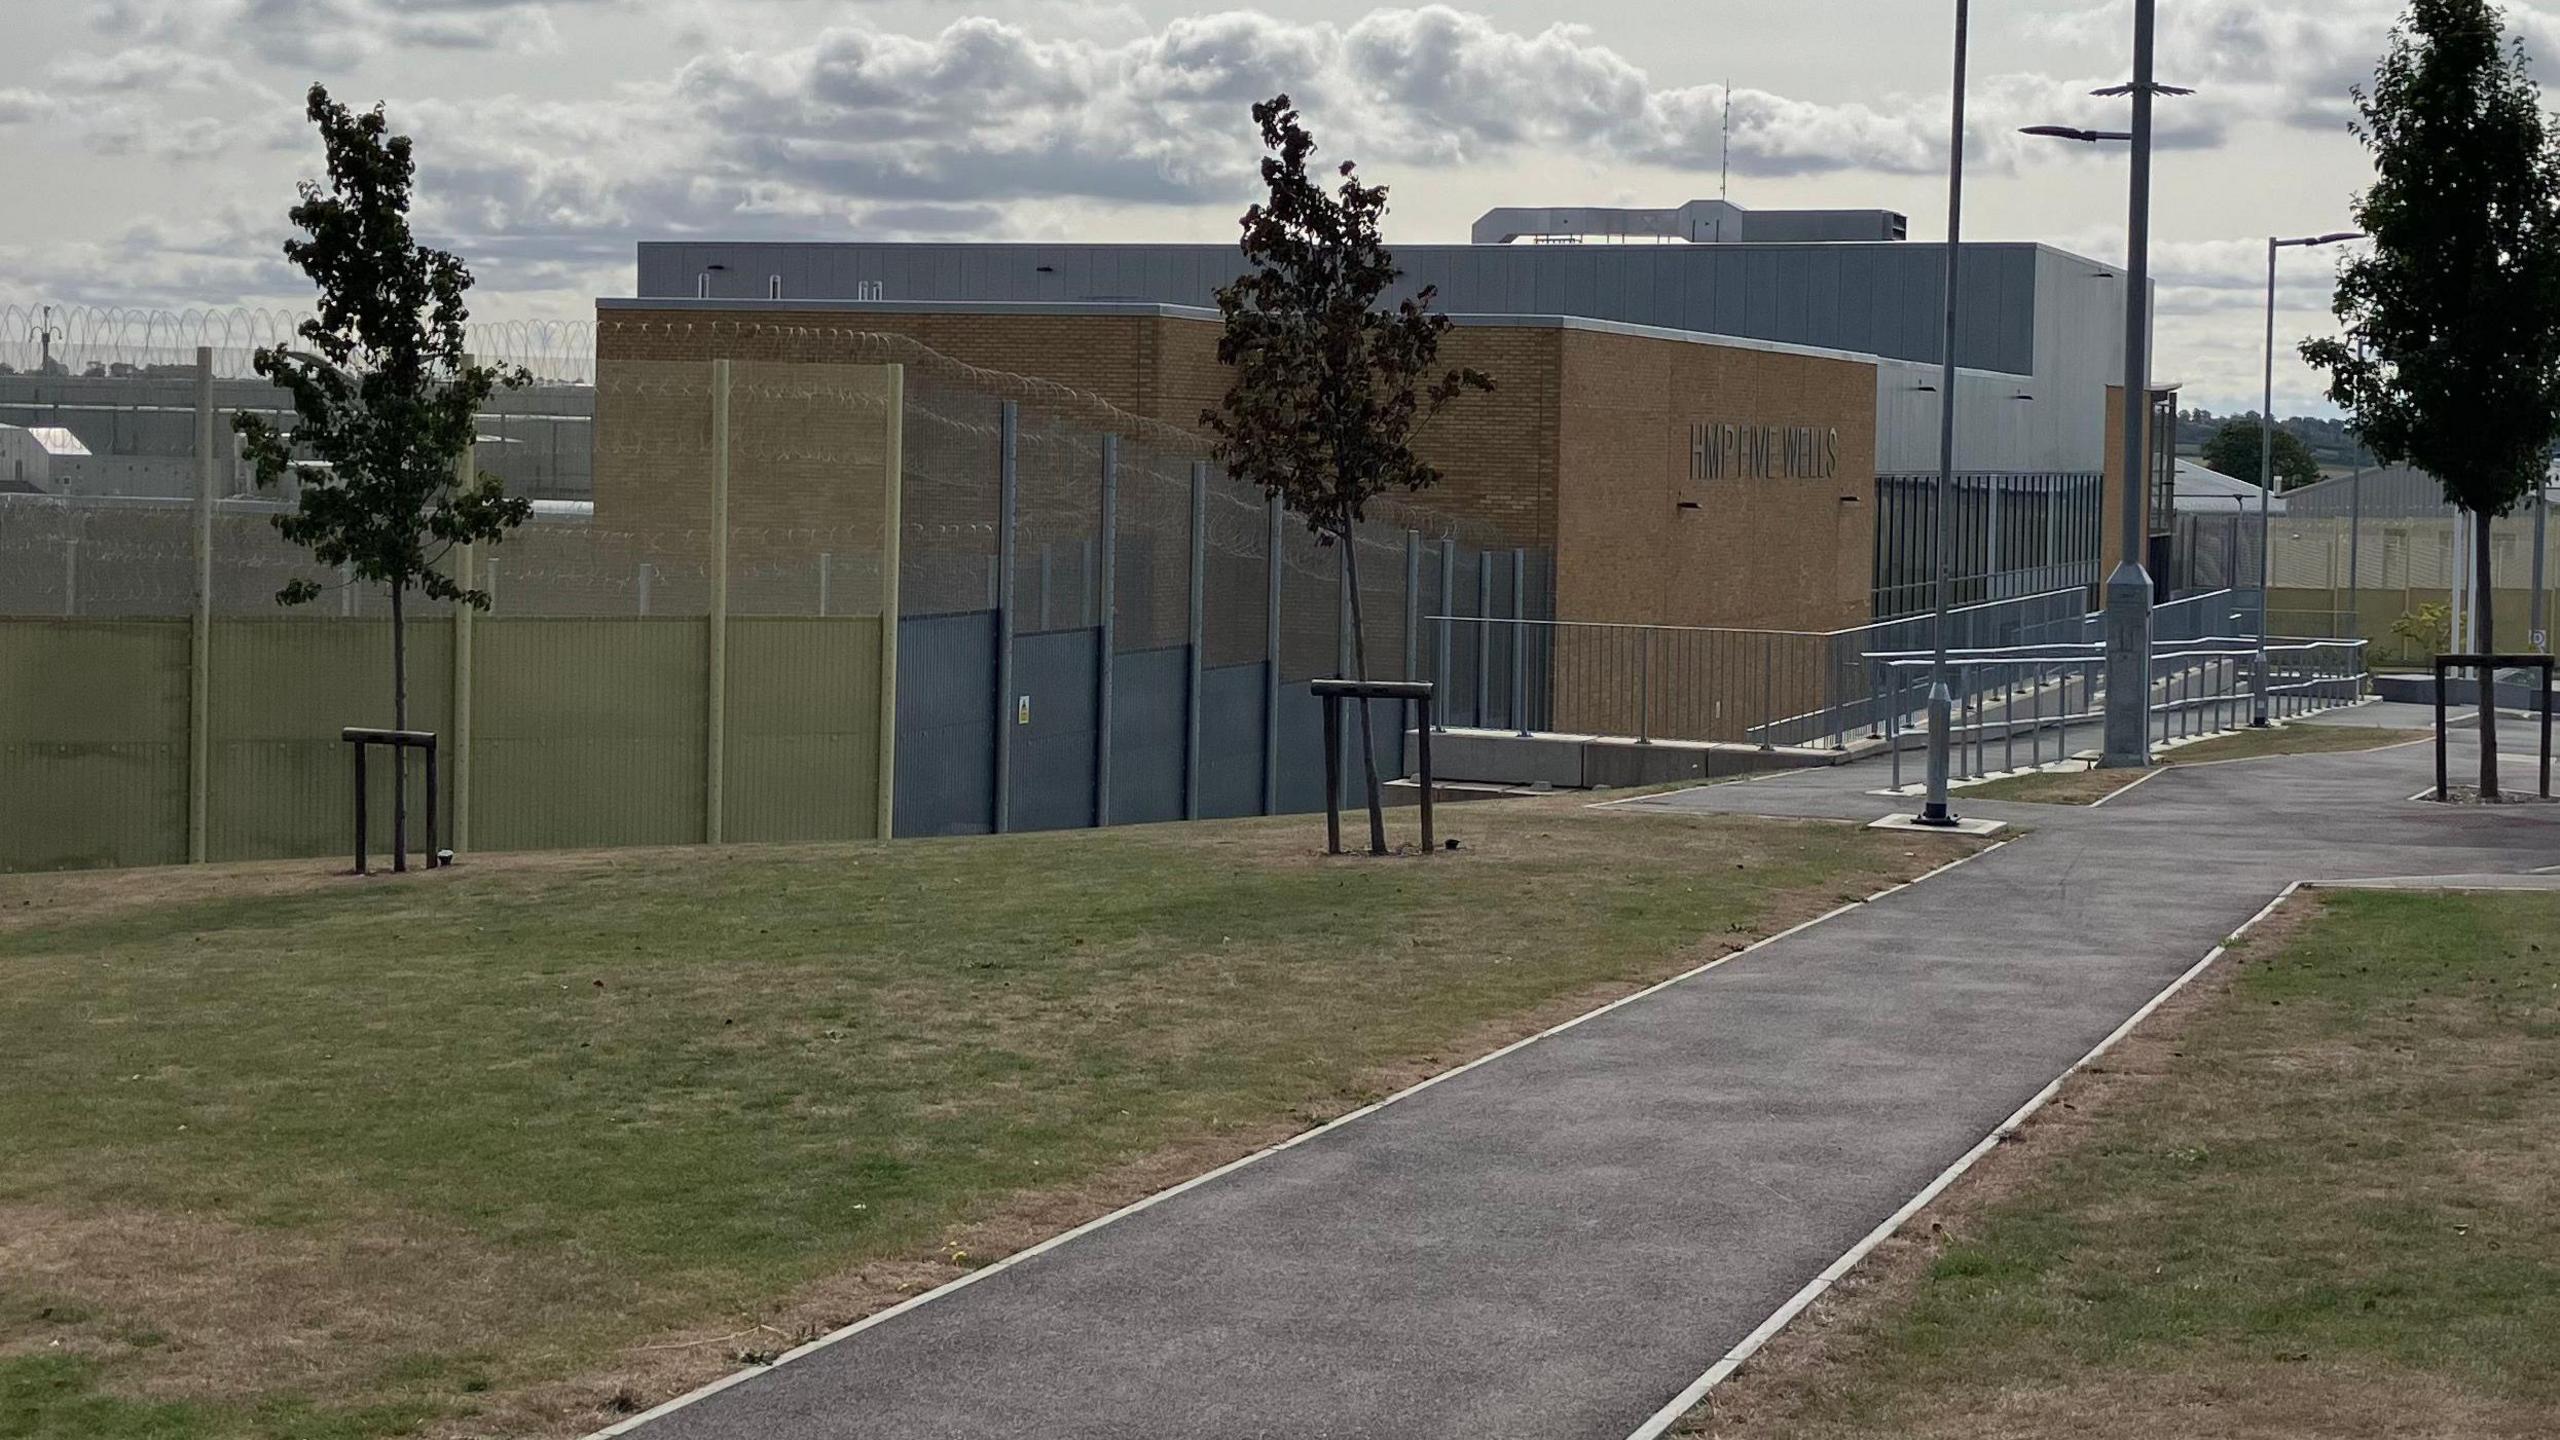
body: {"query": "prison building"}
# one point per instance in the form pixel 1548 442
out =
pixel 1736 425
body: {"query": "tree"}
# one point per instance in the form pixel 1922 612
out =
pixel 1330 388
pixel 383 395
pixel 2457 301
pixel 2233 450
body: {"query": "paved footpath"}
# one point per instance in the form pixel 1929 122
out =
pixel 1555 1243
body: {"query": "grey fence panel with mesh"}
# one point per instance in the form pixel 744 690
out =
pixel 1053 722
pixel 946 724
pixel 1148 734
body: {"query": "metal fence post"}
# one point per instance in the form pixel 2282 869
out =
pixel 892 541
pixel 1440 675
pixel 1484 636
pixel 70 577
pixel 1644 686
pixel 1768 672
pixel 1008 419
pixel 826 567
pixel 1191 696
pixel 200 631
pixel 1271 655
pixel 716 717
pixel 1104 665
pixel 1520 641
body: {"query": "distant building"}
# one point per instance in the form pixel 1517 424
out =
pixel 2205 491
pixel 40 459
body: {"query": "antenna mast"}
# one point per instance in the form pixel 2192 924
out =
pixel 1724 160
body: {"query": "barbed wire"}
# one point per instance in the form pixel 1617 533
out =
pixel 116 339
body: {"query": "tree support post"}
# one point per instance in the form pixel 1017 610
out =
pixel 1332 693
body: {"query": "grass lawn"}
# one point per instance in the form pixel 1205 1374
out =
pixel 518 1147
pixel 2087 787
pixel 2312 1197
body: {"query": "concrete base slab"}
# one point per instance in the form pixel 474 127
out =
pixel 1605 762
pixel 1960 826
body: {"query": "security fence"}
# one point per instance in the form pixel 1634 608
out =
pixel 1091 626
pixel 720 677
pixel 2012 534
pixel 2375 576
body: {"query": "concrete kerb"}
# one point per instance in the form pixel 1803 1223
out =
pixel 847 1332
pixel 1661 1421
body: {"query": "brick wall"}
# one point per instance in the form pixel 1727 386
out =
pixel 2114 497
pixel 1582 447
pixel 1793 553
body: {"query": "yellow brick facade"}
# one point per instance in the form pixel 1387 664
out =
pixel 1583 448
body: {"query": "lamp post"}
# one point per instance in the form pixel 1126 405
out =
pixel 2267 464
pixel 1934 809
pixel 2128 743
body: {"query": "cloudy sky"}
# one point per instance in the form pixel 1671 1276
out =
pixel 152 145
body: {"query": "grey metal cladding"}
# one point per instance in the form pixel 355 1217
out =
pixel 1878 298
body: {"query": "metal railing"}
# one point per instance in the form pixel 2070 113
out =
pixel 1822 689
pixel 1763 687
pixel 2200 687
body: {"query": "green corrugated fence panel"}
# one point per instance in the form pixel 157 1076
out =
pixel 282 785
pixel 587 732
pixel 93 743
pixel 803 729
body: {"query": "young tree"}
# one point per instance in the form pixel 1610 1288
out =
pixel 2233 451
pixel 383 395
pixel 2457 301
pixel 1329 388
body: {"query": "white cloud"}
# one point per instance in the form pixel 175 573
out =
pixel 327 33
pixel 819 121
pixel 24 107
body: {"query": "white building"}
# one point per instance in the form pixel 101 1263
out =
pixel 40 459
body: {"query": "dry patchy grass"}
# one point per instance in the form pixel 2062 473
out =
pixel 516 1147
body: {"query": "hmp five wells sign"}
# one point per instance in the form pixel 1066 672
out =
pixel 1762 452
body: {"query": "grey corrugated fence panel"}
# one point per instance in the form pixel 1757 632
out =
pixel 1301 749
pixel 1146 734
pixel 1231 741
pixel 1053 730
pixel 946 724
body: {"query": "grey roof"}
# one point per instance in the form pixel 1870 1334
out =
pixel 2208 491
pixel 1879 298
pixel 1705 222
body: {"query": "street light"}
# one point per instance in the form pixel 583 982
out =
pixel 2267 462
pixel 1934 809
pixel 2128 740
pixel 2071 132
